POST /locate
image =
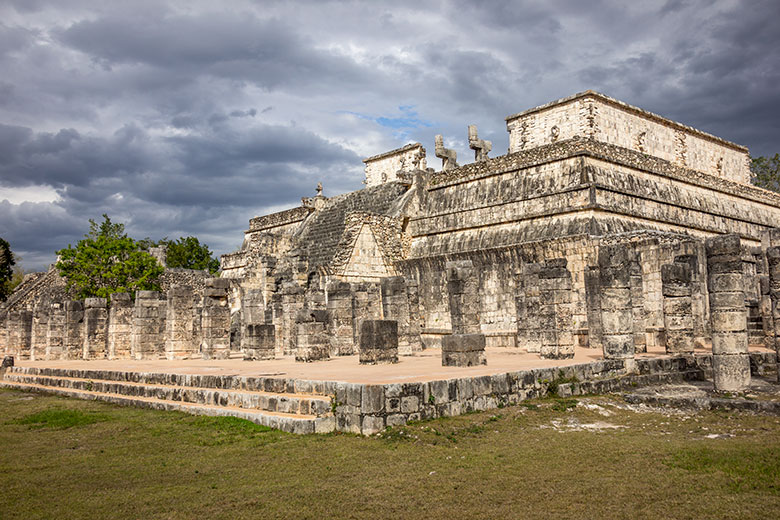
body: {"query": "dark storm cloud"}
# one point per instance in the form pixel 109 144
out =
pixel 190 118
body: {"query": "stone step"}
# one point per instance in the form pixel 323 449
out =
pixel 288 422
pixel 264 383
pixel 306 404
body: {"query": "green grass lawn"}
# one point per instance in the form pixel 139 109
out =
pixel 591 458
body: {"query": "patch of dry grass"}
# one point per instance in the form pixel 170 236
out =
pixel 591 458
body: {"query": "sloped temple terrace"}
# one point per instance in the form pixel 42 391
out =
pixel 609 247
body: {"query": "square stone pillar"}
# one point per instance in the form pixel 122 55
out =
pixel 313 338
pixel 259 341
pixel 378 342
pixel 215 321
pixel 366 305
pixel 773 256
pixel 555 311
pixel 55 331
pixel 678 311
pixel 463 350
pixel 340 310
pixel 148 338
pixel 74 330
pixel 463 289
pixel 95 328
pixel 120 326
pixel 20 325
pixel 292 301
pixel 728 315
pixel 528 304
pixel 40 327
pixel 617 316
pixel 593 306
pixel 395 306
pixel 179 322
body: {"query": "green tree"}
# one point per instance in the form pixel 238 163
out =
pixel 107 261
pixel 7 262
pixel 766 172
pixel 189 253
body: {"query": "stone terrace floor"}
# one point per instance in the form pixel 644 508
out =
pixel 423 366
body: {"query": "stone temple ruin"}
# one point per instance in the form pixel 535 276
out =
pixel 605 228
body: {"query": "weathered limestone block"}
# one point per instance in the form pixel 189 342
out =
pixel 463 289
pixel 292 301
pixel 22 323
pixel 40 327
pixel 73 342
pixel 259 341
pixel 366 305
pixel 215 319
pixel 378 342
pixel 395 305
pixel 413 335
pixel 463 350
pixel 555 312
pixel 8 362
pixel 730 361
pixel 313 341
pixel 699 296
pixel 638 307
pixel 120 326
pixel 95 328
pixel 148 338
pixel 617 319
pixel 179 323
pixel 678 316
pixel 55 331
pixel 3 331
pixel 528 305
pixel 773 258
pixel 340 310
pixel 593 306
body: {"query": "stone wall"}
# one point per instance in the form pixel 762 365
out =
pixel 392 165
pixel 591 115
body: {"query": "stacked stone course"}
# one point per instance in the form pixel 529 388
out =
pixel 95 328
pixel 730 362
pixel 120 326
pixel 678 315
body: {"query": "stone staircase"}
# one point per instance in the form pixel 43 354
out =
pixel 289 405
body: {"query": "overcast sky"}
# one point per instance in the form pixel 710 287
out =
pixel 189 118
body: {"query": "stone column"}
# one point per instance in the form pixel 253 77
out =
pixel 55 331
pixel 678 316
pixel 4 332
pixel 593 306
pixel 414 338
pixel 215 321
pixel 179 339
pixel 638 307
pixel 395 306
pixel 74 330
pixel 95 328
pixel 366 305
pixel 259 341
pixel 147 340
pixel 773 256
pixel 555 310
pixel 292 303
pixel 23 334
pixel 617 321
pixel 378 342
pixel 463 289
pixel 312 342
pixel 40 327
pixel 466 345
pixel 120 326
pixel 730 361
pixel 528 304
pixel 339 307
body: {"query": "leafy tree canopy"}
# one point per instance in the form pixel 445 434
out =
pixel 766 172
pixel 7 262
pixel 107 261
pixel 189 253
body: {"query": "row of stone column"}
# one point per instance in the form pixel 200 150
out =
pixel 151 327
